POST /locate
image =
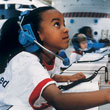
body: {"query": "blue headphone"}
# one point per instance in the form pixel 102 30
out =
pixel 76 43
pixel 64 56
pixel 26 35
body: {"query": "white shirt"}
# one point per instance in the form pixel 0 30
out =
pixel 74 56
pixel 23 82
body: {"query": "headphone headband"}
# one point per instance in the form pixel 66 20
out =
pixel 22 14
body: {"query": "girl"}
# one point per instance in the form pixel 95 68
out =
pixel 26 71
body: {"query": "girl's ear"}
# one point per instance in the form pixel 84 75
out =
pixel 40 35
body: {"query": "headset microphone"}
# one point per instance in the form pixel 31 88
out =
pixel 66 61
pixel 29 41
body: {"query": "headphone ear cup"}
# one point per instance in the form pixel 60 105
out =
pixel 22 38
pixel 76 46
pixel 27 37
pixel 75 42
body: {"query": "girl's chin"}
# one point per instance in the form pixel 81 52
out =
pixel 65 47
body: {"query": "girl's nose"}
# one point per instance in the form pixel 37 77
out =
pixel 66 30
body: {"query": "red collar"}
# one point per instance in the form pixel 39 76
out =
pixel 81 53
pixel 48 67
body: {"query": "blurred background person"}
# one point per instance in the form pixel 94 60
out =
pixel 91 41
pixel 79 42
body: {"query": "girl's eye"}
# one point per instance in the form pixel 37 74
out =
pixel 57 24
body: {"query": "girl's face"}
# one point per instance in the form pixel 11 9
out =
pixel 53 32
pixel 83 44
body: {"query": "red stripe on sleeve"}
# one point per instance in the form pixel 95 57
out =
pixel 36 93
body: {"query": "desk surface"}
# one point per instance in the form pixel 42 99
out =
pixel 85 87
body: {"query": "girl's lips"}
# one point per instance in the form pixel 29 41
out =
pixel 66 37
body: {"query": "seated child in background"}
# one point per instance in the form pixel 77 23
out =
pixel 79 42
pixel 91 41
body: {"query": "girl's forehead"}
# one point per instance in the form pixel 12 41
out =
pixel 51 14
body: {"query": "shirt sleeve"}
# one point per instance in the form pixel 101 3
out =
pixel 74 57
pixel 95 45
pixel 40 79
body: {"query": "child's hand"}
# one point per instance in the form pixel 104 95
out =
pixel 77 76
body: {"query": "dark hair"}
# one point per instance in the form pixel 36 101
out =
pixel 9 44
pixel 83 30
